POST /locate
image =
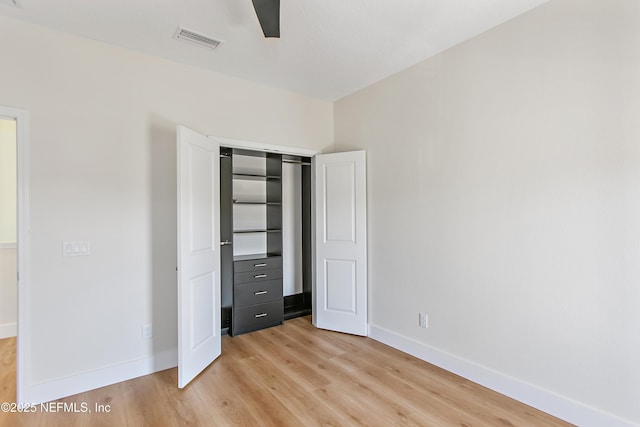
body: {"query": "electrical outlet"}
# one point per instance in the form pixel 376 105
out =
pixel 147 332
pixel 423 320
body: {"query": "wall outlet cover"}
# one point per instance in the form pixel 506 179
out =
pixel 147 332
pixel 423 320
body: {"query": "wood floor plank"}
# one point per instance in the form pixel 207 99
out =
pixel 447 388
pixel 258 399
pixel 7 369
pixel 306 409
pixel 295 332
pixel 225 402
pixel 263 343
pixel 388 410
pixel 375 377
pixel 291 375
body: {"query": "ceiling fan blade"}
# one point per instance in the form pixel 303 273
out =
pixel 268 12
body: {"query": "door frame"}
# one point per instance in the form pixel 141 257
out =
pixel 22 239
pixel 278 149
pixel 285 150
pixel 281 149
pixel 259 146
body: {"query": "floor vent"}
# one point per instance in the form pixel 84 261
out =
pixel 226 317
pixel 196 38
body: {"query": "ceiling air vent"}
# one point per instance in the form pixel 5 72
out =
pixel 196 38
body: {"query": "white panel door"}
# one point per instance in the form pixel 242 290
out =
pixel 199 341
pixel 340 298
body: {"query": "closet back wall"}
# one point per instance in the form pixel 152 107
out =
pixel 103 124
pixel 291 229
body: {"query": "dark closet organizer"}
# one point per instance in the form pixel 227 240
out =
pixel 252 253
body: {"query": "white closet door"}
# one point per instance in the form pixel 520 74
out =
pixel 340 298
pixel 199 341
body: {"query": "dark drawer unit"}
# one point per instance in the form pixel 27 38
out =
pixel 255 187
pixel 257 276
pixel 257 294
pixel 259 316
pixel 259 264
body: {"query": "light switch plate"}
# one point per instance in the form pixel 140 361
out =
pixel 76 248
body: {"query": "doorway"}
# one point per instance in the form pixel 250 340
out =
pixel 8 250
pixel 14 273
pixel 340 205
pixel 8 230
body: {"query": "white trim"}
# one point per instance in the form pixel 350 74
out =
pixel 79 383
pixel 547 401
pixel 9 245
pixel 258 146
pixel 23 329
pixel 8 330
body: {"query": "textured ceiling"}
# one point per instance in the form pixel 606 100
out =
pixel 328 48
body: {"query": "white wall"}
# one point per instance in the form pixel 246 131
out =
pixel 8 302
pixel 504 202
pixel 102 138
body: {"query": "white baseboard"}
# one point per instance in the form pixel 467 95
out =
pixel 559 406
pixel 8 330
pixel 68 386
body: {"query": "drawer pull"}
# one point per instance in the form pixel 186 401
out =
pixel 257 316
pixel 260 292
pixel 259 276
pixel 264 264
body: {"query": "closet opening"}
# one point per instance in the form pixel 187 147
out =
pixel 265 231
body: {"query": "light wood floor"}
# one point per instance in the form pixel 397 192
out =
pixel 293 375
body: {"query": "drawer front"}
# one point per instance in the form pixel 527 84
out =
pixel 259 316
pixel 257 276
pixel 257 293
pixel 257 264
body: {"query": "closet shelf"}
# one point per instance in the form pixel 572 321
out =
pixel 255 256
pixel 254 177
pixel 269 230
pixel 246 202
